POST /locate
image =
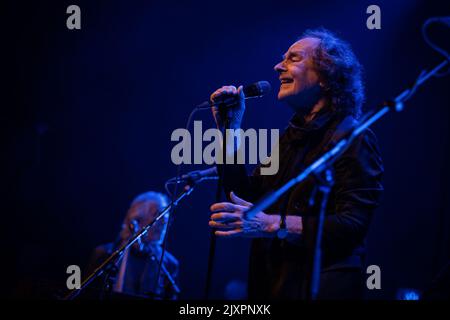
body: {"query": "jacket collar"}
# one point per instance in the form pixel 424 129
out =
pixel 298 128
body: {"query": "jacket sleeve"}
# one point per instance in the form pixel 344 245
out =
pixel 357 191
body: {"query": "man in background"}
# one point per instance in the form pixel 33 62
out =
pixel 136 273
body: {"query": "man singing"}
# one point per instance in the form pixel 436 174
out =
pixel 321 81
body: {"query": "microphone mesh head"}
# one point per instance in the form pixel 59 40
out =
pixel 257 89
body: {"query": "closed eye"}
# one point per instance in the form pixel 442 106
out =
pixel 294 57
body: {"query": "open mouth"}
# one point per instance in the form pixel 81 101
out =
pixel 286 80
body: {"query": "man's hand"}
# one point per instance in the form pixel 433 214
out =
pixel 228 219
pixel 237 98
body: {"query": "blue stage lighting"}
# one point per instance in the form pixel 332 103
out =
pixel 408 294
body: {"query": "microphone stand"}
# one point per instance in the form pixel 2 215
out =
pixel 171 279
pixel 325 162
pixel 106 266
pixel 213 238
pixel 325 183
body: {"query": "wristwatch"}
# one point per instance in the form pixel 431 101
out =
pixel 282 231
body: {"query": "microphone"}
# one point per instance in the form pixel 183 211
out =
pixel 196 176
pixel 199 175
pixel 257 89
pixel 254 90
pixel 134 226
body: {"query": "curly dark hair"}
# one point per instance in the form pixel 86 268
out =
pixel 340 70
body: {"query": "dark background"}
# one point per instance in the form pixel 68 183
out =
pixel 87 117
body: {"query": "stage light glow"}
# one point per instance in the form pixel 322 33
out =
pixel 408 294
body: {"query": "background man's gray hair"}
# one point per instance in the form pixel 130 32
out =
pixel 162 200
pixel 152 196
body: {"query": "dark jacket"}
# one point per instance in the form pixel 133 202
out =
pixel 281 268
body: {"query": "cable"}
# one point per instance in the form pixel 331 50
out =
pixel 424 74
pixel 172 196
pixel 435 47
